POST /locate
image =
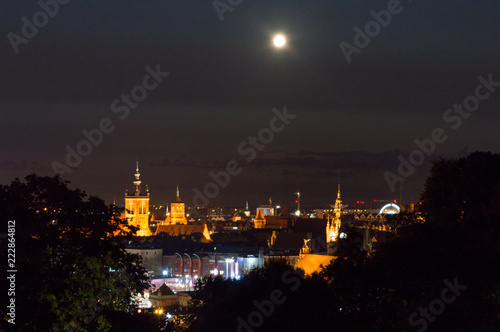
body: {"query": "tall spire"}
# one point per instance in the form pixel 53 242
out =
pixel 178 191
pixel 338 182
pixel 246 208
pixel 338 204
pixel 333 224
pixel 137 182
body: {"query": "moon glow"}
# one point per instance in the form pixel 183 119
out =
pixel 279 41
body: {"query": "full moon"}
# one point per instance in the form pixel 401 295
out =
pixel 279 41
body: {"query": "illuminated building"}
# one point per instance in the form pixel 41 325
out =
pixel 311 263
pixel 236 217
pixel 272 222
pixel 333 223
pixel 260 220
pixel 390 208
pixel 163 297
pixel 175 224
pixel 137 207
pixel 247 210
pixel 178 211
pixel 267 210
pixel 186 230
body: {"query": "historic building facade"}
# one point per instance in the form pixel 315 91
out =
pixel 333 223
pixel 178 211
pixel 137 206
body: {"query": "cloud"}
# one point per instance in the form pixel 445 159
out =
pixel 20 165
pixel 333 162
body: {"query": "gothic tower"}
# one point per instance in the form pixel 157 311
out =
pixel 260 220
pixel 333 223
pixel 178 211
pixel 137 207
pixel 247 210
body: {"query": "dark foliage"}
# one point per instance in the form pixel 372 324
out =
pixel 287 302
pixel 462 188
pixel 72 269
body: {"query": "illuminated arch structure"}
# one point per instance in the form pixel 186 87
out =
pixel 390 208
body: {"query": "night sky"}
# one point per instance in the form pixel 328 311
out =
pixel 225 79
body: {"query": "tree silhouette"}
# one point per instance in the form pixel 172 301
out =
pixel 72 269
pixel 457 189
pixel 273 298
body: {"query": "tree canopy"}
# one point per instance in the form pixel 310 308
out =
pixel 72 269
pixel 461 188
pixel 272 298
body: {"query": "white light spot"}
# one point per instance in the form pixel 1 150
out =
pixel 279 41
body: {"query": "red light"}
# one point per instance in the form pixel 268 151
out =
pixel 296 201
pixel 394 201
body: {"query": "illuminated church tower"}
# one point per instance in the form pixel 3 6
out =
pixel 178 211
pixel 247 210
pixel 137 207
pixel 333 223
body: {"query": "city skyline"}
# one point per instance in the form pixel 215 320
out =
pixel 237 165
pixel 369 83
pixel 282 202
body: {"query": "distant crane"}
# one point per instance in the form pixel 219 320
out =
pixel 298 202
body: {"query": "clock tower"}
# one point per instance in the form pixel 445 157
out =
pixel 137 207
